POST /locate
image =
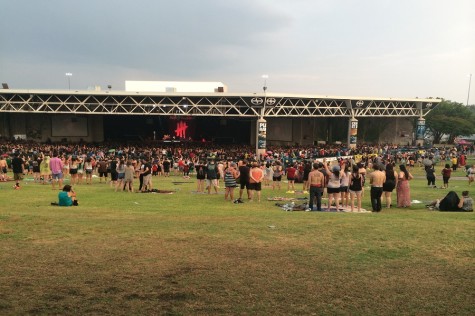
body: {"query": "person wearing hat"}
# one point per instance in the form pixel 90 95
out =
pixel 333 186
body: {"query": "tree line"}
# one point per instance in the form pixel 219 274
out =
pixel 452 119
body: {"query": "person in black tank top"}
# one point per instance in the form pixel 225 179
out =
pixel 356 188
pixel 389 184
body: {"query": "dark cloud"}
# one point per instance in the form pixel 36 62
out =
pixel 367 47
pixel 165 36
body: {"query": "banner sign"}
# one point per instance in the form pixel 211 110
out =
pixel 353 131
pixel 261 134
pixel 421 129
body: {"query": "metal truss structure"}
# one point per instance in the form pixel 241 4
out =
pixel 211 104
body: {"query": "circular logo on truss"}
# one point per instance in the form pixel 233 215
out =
pixel 428 105
pixel 359 103
pixel 270 101
pixel 257 101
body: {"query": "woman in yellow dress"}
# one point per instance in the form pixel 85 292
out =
pixel 45 171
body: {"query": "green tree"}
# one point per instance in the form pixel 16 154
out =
pixel 452 119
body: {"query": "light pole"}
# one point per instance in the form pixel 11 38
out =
pixel 69 75
pixel 265 77
pixel 261 126
pixel 469 83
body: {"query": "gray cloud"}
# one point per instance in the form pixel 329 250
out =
pixel 380 48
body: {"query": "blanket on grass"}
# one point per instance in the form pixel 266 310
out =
pixel 289 207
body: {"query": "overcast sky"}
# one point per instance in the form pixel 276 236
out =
pixel 384 48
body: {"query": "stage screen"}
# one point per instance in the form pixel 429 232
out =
pixel 68 126
pixel 181 127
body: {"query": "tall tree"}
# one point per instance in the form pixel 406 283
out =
pixel 452 119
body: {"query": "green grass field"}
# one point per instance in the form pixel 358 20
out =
pixel 156 254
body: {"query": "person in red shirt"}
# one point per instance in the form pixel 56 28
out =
pixel 291 173
pixel 446 173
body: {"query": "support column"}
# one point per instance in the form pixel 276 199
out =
pixel 420 131
pixel 261 136
pixel 352 133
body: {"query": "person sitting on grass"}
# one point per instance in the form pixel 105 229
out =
pixel 66 197
pixel 452 203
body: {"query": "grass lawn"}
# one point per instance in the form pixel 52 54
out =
pixel 140 254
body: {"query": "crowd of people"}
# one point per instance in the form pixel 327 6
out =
pixel 338 170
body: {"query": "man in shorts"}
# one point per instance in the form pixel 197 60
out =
pixel 243 181
pixel 212 177
pixel 255 181
pixel 56 167
pixel 18 166
pixel 102 169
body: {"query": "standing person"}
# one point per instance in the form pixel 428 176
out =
pixel 73 170
pixel 268 173
pixel 307 168
pixel 446 173
pixel 277 175
pixel 220 173
pixel 200 177
pixel 390 184
pixel 362 171
pixel 166 167
pixel 56 166
pixel 315 185
pixel 147 175
pixel 89 168
pixel 471 174
pixel 430 175
pixel 333 186
pixel 80 162
pixel 120 175
pixel 244 180
pixel 255 181
pixel 403 189
pixel 65 159
pixel 36 169
pixel 454 161
pixel 230 176
pixel 139 168
pixel 102 166
pixel 291 173
pixel 356 188
pixel 129 176
pixel 186 170
pixel 18 167
pixel 344 184
pixel 3 169
pixel 45 170
pixel 212 177
pixel 113 170
pixel 377 179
